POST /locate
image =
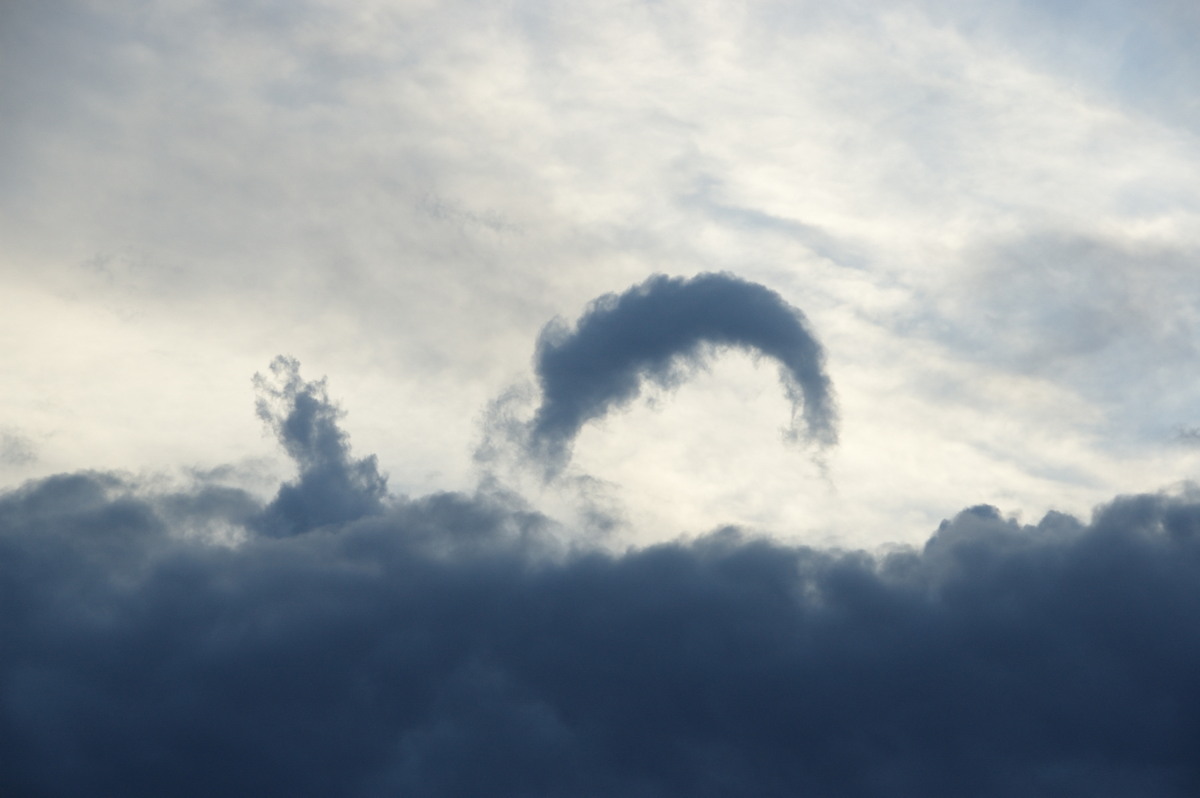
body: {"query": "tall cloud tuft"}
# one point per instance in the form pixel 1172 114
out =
pixel 657 332
pixel 332 487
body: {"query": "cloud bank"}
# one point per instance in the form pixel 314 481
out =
pixel 444 646
pixel 658 332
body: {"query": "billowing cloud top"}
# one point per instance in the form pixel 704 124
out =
pixel 656 332
pixel 442 647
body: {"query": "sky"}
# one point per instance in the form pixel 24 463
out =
pixel 640 398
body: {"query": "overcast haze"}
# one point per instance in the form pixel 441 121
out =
pixel 986 211
pixel 972 233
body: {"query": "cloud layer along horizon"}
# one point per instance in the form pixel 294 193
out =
pixel 197 641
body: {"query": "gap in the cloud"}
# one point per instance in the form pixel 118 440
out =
pixel 708 453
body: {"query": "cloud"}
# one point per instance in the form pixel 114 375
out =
pixel 1059 301
pixel 15 448
pixel 441 646
pixel 332 487
pixel 658 332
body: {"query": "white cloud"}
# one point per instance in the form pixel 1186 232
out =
pixel 401 194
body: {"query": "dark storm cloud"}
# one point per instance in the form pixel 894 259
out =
pixel 660 330
pixel 441 647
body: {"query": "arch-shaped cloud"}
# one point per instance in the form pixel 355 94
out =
pixel 655 332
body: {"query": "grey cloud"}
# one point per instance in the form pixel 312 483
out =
pixel 439 647
pixel 16 449
pixel 332 487
pixel 1086 312
pixel 657 332
pixel 1064 297
pixel 1136 54
pixel 706 199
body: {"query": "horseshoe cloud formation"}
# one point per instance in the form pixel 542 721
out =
pixel 656 332
pixel 341 640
